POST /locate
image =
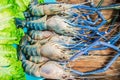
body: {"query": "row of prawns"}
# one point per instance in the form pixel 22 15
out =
pixel 42 50
pixel 41 53
pixel 53 38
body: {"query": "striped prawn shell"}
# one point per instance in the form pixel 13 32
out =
pixel 38 59
pixel 62 39
pixel 31 68
pixel 32 18
pixel 39 24
pixel 52 70
pixel 25 40
pixel 27 14
pixel 55 51
pixel 39 35
pixel 48 9
pixel 61 27
pixel 31 50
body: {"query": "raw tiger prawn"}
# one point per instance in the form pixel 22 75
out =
pixel 45 36
pixel 59 26
pixel 39 24
pixel 68 28
pixel 39 35
pixel 52 48
pixel 38 62
pixel 111 43
pixel 50 9
pixel 50 70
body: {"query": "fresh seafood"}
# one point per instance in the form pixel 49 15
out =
pixel 45 36
pixel 39 35
pixel 31 50
pixel 39 24
pixel 31 68
pixel 27 14
pixel 55 51
pixel 32 18
pixel 53 70
pixel 52 9
pixel 59 25
pixel 25 40
pixel 50 70
pixel 55 23
pixel 59 33
pixel 48 9
pixel 62 39
pixel 38 59
pixel 50 50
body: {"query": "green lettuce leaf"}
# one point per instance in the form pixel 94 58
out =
pixel 11 36
pixel 41 1
pixel 8 51
pixel 26 2
pixel 18 73
pixel 16 6
pixel 12 72
pixel 10 66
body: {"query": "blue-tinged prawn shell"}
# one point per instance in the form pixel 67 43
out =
pixel 31 68
pixel 38 59
pixel 39 24
pixel 48 9
pixel 31 50
pixel 52 70
pixel 39 35
pixel 32 18
pixel 58 25
pixel 55 51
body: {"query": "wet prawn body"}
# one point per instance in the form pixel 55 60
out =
pixel 56 37
pixel 39 35
pixel 52 48
pixel 39 24
pixel 48 9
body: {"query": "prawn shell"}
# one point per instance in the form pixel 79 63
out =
pixel 38 59
pixel 48 9
pixel 52 70
pixel 51 9
pixel 39 35
pixel 62 39
pixel 37 10
pixel 39 24
pixel 54 51
pixel 31 50
pixel 32 18
pixel 61 27
pixel 25 40
pixel 31 68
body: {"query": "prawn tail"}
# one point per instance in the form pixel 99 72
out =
pixel 19 22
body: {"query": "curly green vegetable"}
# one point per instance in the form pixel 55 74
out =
pixel 11 36
pixel 12 72
pixel 15 6
pixel 10 66
pixel 41 1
